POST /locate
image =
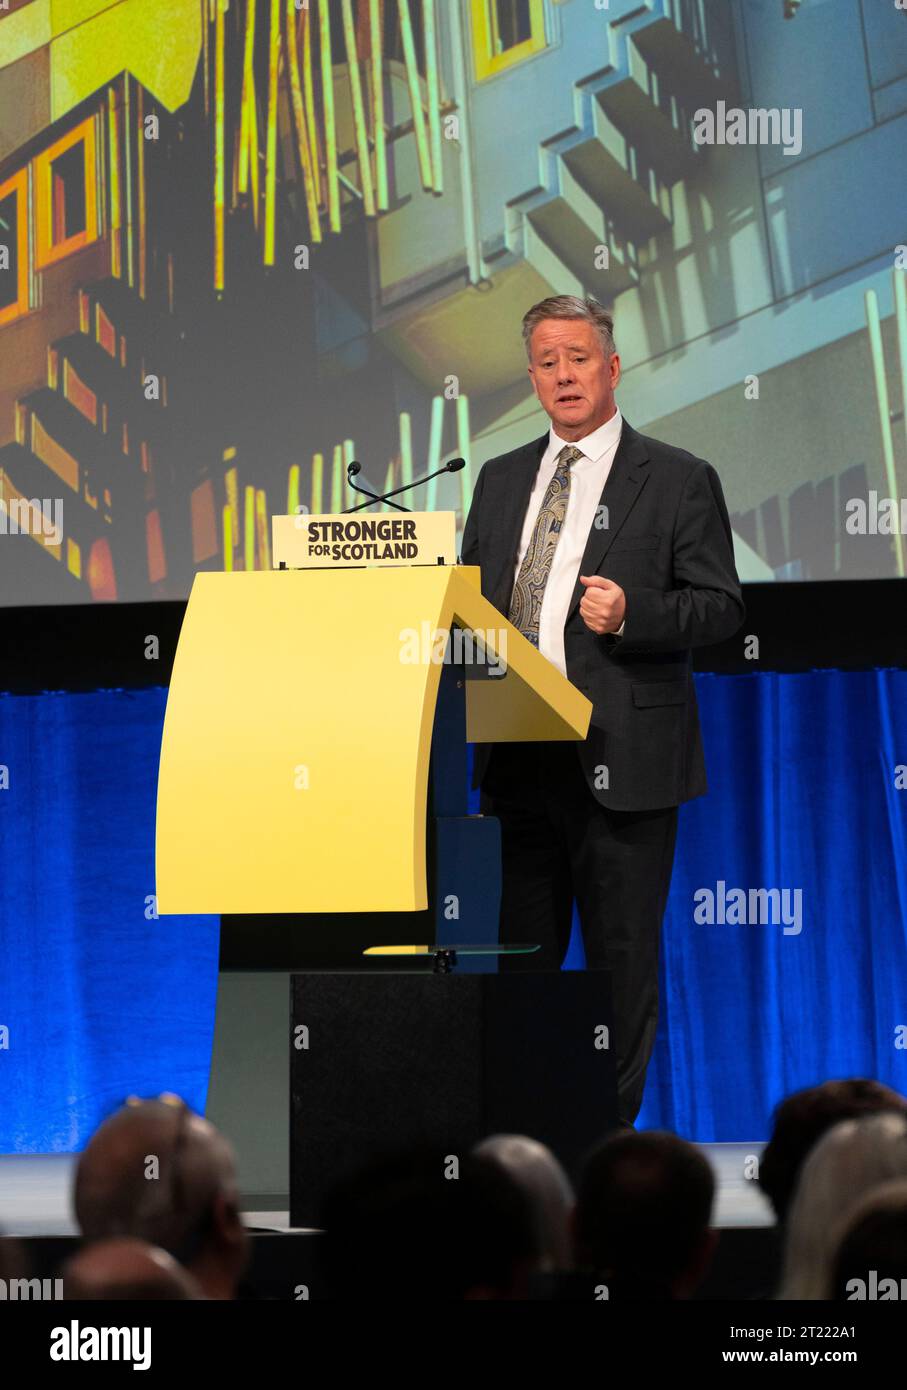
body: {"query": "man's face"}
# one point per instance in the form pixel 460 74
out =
pixel 572 376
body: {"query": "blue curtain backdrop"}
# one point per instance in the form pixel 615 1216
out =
pixel 101 1002
pixel 803 771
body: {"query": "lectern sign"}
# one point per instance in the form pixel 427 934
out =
pixel 346 539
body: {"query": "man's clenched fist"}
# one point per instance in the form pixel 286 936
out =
pixel 603 605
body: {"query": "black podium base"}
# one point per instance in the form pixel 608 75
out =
pixel 381 1061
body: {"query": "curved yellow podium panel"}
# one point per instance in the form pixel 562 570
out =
pixel 295 753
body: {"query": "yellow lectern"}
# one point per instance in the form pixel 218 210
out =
pixel 296 746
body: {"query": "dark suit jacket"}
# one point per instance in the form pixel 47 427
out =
pixel 668 545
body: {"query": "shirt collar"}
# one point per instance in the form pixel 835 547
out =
pixel 594 445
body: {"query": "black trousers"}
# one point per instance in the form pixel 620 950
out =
pixel 558 843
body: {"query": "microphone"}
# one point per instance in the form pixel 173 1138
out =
pixel 352 471
pixel 451 466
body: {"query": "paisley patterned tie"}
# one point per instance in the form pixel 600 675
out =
pixel 529 589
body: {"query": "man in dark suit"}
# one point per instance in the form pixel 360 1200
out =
pixel 613 554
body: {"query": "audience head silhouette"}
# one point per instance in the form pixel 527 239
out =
pixel 160 1173
pixel 871 1258
pixel 847 1163
pixel 642 1216
pixel 800 1122
pixel 536 1171
pixel 426 1226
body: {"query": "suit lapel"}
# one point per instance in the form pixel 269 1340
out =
pixel 624 483
pixel 511 516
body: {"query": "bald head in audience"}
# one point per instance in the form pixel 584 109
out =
pixel 160 1173
pixel 534 1168
pixel 125 1268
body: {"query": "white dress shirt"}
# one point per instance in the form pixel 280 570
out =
pixel 588 475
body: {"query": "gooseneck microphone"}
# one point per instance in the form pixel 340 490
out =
pixel 452 466
pixel 352 470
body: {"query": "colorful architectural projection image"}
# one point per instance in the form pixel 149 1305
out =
pixel 246 242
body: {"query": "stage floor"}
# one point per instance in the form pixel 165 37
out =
pixel 35 1194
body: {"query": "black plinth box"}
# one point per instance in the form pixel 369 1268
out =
pixel 380 1061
